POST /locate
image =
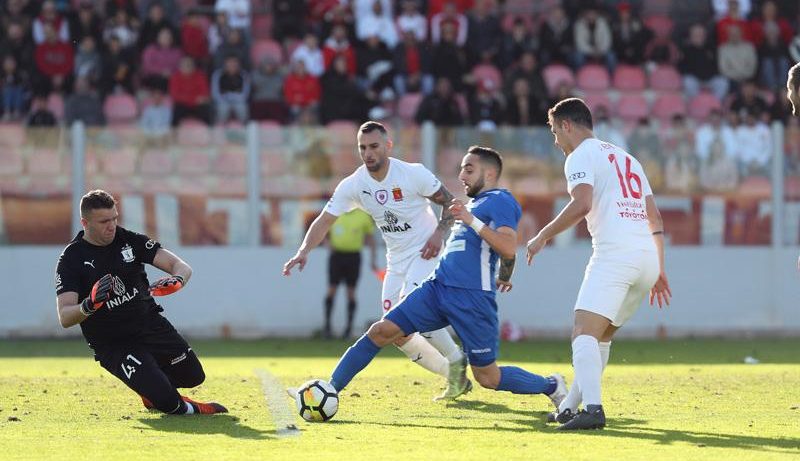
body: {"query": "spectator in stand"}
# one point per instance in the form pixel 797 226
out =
pixel 564 90
pixel 448 59
pixel 722 7
pixel 734 17
pixel 629 35
pixel 156 118
pixel 49 17
pixel 485 109
pixel 84 104
pixel 342 99
pixel 484 34
pixel 747 101
pixel 646 146
pixel 339 14
pixel 374 68
pixel 288 19
pixel 377 21
pixel 519 41
pixel 440 107
pixel 40 116
pixel 230 90
pixel 770 20
pixel 593 39
pixel 754 146
pixel 681 166
pixel 528 69
pixel 161 59
pixel 412 66
pixel 54 62
pixel 718 171
pixel 17 12
pixel 737 58
pixel 16 43
pixel 772 36
pixel 239 15
pixel 151 29
pixel 86 22
pixel 311 55
pixel 194 41
pixel 118 68
pixel 171 8
pixel 301 92
pixel 557 39
pixel 410 19
pixel 14 84
pixel 449 15
pixel 698 65
pixel 714 134
pixel 661 50
pixel 124 27
pixel 233 45
pixel 437 6
pixel 112 6
pixel 339 45
pixel 188 89
pixel 521 109
pixel 87 61
pixel 605 129
pixel 217 32
pixel 267 92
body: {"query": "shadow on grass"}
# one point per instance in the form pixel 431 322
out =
pixel 217 424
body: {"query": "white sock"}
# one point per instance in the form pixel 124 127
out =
pixel 574 397
pixel 424 354
pixel 444 343
pixel 588 368
pixel 605 351
pixel 189 408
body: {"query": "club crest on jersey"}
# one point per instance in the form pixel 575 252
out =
pixel 397 194
pixel 381 196
pixel 127 253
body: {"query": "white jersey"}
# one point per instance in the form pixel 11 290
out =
pixel 618 218
pixel 398 204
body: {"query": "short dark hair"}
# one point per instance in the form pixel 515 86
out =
pixel 370 126
pixel 488 156
pixel 96 199
pixel 794 77
pixel 574 110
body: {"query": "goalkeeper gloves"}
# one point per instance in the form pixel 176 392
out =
pixel 101 292
pixel 166 285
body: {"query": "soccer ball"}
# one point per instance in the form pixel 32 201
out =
pixel 317 400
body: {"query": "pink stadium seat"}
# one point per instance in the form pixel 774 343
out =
pixel 489 72
pixel 263 48
pixel 12 134
pixel 755 186
pixel 668 104
pixel 231 162
pixel 702 105
pixel 262 26
pixel 629 78
pixel 156 163
pixel 273 163
pixel 632 107
pixel 44 162
pixel 55 104
pixel 597 99
pixel 341 133
pixel 193 133
pixel 120 108
pixel 660 25
pixel 665 78
pixel 555 74
pixel 270 133
pixel 193 163
pixel 119 162
pixel 10 161
pixel 407 106
pixel 593 77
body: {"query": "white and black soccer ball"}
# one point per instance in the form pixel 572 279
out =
pixel 317 400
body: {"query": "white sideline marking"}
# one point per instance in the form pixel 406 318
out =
pixel 282 415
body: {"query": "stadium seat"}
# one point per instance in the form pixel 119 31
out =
pixel 555 74
pixel 263 48
pixel 55 104
pixel 119 162
pixel 262 26
pixel 702 105
pixel 629 78
pixel 508 20
pixel 231 162
pixel 407 106
pixel 668 104
pixel 665 78
pixel 270 133
pixel 120 108
pixel 593 77
pixel 193 133
pixel 44 162
pixel 631 107
pixel 10 161
pixel 341 133
pixel 12 134
pixel 655 7
pixel 660 25
pixel 273 163
pixel 193 162
pixel 489 72
pixel 156 163
pixel 755 186
pixel 597 99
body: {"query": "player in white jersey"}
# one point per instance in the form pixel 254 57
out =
pixel 609 188
pixel 397 195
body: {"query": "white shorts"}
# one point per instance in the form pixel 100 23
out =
pixel 615 283
pixel 403 277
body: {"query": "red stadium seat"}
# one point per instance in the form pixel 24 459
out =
pixel 593 77
pixel 629 78
pixel 665 78
pixel 484 72
pixel 264 48
pixel 120 108
pixel 407 106
pixel 668 104
pixel 702 105
pixel 156 163
pixel 556 74
pixel 660 25
pixel 598 99
pixel 631 107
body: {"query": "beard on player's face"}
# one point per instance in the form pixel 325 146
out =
pixel 476 187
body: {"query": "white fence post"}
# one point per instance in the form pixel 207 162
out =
pixel 78 138
pixel 253 186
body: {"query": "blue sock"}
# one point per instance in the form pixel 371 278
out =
pixel 353 361
pixel 518 381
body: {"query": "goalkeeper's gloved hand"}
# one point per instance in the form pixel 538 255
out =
pixel 166 285
pixel 101 292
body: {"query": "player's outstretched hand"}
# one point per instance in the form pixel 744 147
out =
pixel 460 212
pixel 433 246
pixel 535 245
pixel 660 291
pixel 299 259
pixel 101 292
pixel 166 285
pixel 504 287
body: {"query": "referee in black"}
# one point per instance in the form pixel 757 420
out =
pixel 101 284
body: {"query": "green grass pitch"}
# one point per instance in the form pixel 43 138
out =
pixel 670 400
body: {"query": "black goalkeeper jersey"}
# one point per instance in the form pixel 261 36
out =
pixel 130 309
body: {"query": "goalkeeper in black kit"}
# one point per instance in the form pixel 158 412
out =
pixel 102 286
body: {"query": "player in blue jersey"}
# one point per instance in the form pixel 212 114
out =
pixel 461 291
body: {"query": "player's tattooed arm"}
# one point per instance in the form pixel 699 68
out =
pixel 443 197
pixel 506 268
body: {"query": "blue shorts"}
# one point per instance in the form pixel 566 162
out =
pixel 472 313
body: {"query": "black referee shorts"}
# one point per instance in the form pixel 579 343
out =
pixel 344 267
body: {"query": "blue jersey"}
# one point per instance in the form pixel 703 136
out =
pixel 468 260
